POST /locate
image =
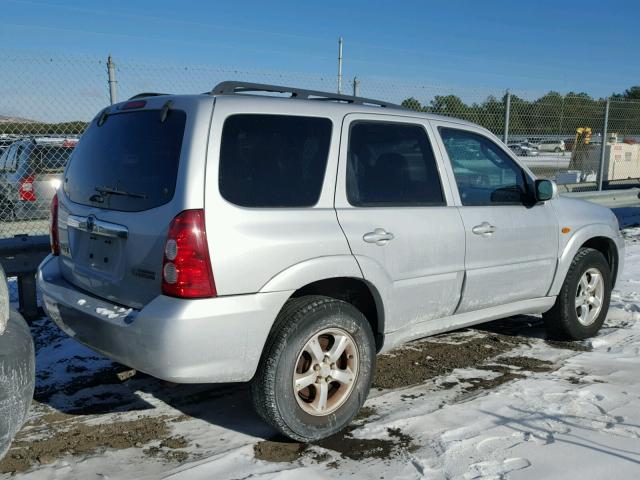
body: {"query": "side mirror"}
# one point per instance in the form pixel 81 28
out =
pixel 545 190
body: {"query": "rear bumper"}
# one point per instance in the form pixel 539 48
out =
pixel 184 341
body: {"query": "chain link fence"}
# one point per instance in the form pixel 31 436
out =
pixel 46 101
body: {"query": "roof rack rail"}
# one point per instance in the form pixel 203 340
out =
pixel 147 94
pixel 233 88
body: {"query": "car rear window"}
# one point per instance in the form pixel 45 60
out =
pixel 273 160
pixel 130 163
pixel 47 159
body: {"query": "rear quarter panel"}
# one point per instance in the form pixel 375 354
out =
pixel 249 247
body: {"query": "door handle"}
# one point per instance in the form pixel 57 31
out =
pixel 379 236
pixel 485 229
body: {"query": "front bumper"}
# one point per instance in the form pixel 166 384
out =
pixel 183 341
pixel 620 245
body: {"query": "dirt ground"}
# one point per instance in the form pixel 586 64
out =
pixel 100 406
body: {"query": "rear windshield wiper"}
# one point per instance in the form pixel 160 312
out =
pixel 115 191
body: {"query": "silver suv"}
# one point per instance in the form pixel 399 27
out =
pixel 235 236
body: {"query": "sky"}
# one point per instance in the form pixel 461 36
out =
pixel 525 46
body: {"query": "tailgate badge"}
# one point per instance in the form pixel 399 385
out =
pixel 147 274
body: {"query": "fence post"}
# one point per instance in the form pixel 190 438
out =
pixel 603 146
pixel 507 111
pixel 356 87
pixel 111 70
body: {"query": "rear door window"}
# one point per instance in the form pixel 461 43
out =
pixel 4 158
pixel 10 159
pixel 391 164
pixel 130 163
pixel 273 160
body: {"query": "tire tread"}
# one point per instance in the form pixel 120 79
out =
pixel 559 319
pixel 263 384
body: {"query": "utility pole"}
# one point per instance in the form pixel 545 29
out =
pixel 507 111
pixel 340 65
pixel 356 87
pixel 111 71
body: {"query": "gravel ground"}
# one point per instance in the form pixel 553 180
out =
pixel 86 405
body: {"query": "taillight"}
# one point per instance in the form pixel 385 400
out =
pixel 26 189
pixel 53 227
pixel 186 268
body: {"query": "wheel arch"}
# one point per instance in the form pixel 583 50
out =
pixel 607 247
pixel 355 291
pixel 600 237
pixel 336 276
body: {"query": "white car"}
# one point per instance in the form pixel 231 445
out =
pixel 17 368
pixel 523 149
pixel 552 146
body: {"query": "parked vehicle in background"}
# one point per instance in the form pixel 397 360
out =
pixel 6 140
pixel 30 172
pixel 556 146
pixel 523 149
pixel 529 145
pixel 17 369
pixel 517 149
pixel 231 237
pixel 569 143
pixel 4 144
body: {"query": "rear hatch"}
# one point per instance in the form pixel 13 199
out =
pixel 120 194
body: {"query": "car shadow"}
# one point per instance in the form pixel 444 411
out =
pixel 225 405
pixel 530 422
pixel 116 388
pixel 530 326
pixel 104 392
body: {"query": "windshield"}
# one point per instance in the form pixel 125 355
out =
pixel 130 163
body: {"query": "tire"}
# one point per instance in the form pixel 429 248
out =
pixel 564 321
pixel 274 392
pixel 558 150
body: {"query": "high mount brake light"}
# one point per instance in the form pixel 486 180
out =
pixel 134 104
